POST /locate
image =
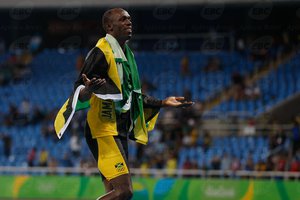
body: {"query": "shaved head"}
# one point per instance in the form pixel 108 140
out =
pixel 117 22
pixel 107 17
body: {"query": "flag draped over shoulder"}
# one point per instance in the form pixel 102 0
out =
pixel 143 119
pixel 126 97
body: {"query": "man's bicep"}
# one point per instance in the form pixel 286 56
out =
pixel 95 66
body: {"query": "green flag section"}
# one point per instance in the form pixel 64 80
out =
pixel 81 187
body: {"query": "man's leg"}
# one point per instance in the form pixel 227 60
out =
pixel 122 184
pixel 112 162
pixel 111 155
pixel 108 186
pixel 121 188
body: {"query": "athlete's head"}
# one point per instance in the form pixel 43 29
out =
pixel 117 22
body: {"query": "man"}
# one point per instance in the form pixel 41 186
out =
pixel 109 84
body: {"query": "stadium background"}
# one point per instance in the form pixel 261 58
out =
pixel 238 60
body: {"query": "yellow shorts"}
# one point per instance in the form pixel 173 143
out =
pixel 110 155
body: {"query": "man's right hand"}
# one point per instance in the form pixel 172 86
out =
pixel 93 84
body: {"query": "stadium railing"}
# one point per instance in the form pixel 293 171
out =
pixel 156 173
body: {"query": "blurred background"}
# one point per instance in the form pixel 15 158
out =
pixel 237 59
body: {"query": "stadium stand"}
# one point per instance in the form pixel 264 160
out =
pixel 50 83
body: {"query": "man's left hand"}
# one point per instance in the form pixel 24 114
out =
pixel 176 102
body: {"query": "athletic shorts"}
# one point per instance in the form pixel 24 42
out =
pixel 110 153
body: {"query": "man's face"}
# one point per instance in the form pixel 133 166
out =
pixel 121 26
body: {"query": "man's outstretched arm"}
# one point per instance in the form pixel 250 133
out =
pixel 171 101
